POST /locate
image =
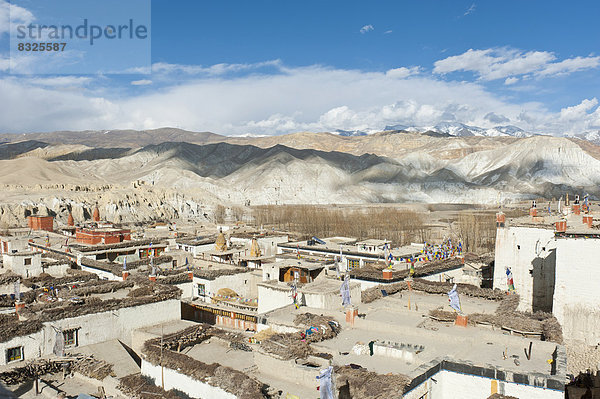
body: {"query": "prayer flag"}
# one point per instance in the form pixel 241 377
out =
pixel 326 387
pixel 509 280
pixel 345 291
pixel 453 298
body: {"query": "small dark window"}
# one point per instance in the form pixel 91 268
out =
pixel 27 261
pixel 518 247
pixel 70 337
pixel 14 354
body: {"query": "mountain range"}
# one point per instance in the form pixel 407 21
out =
pixel 390 166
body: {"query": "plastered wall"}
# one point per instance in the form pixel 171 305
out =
pixel 577 290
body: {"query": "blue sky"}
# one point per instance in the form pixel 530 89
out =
pixel 273 67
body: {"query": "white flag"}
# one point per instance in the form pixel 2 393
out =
pixel 454 300
pixel 345 291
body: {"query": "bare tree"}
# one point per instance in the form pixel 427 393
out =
pixel 399 226
pixel 477 232
pixel 220 213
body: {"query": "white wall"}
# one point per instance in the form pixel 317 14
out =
pixel 268 245
pixel 330 300
pixel 57 270
pixel 103 275
pixel 270 298
pixel 188 289
pixel 196 250
pixel 96 327
pixel 364 285
pixel 451 385
pixel 457 274
pixel 7 289
pixel 270 271
pixel 13 244
pixel 290 371
pixel 244 284
pixel 30 343
pixel 177 380
pixel 16 263
pixel 520 260
pixel 577 290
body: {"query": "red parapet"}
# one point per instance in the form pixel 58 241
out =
pixel 461 320
pixel 351 315
pixel 500 219
pixel 41 223
pixel 96 215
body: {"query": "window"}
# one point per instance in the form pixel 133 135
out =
pixel 353 263
pixel 14 354
pixel 70 337
pixel 27 261
pixel 201 290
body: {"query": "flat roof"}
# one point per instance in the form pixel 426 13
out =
pixel 547 221
pixel 228 252
pixel 111 295
pixel 341 240
pixel 23 253
pixel 196 241
pixel 373 241
pixel 299 263
pixel 389 319
pixel 322 285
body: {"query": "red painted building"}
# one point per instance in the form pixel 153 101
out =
pixel 41 222
pixel 92 236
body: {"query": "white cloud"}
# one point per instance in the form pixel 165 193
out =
pixel 18 15
pixel 570 65
pixel 213 70
pixel 387 32
pixel 141 82
pixel 470 10
pixel 61 81
pixel 366 28
pixel 491 64
pixel 578 111
pixel 511 81
pixel 324 99
pixel 402 72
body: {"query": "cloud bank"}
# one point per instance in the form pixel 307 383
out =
pixel 314 98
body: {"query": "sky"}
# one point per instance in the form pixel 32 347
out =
pixel 276 67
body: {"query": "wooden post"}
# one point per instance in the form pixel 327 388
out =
pixel 162 370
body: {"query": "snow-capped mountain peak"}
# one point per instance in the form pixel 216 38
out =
pixel 458 129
